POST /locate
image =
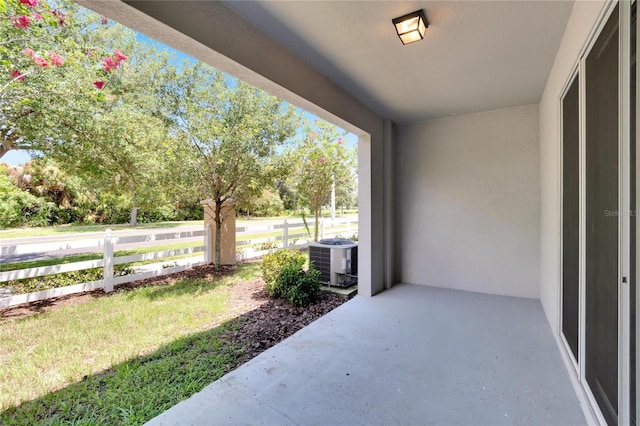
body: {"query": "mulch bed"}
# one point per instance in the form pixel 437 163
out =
pixel 274 320
pixel 264 323
pixel 33 308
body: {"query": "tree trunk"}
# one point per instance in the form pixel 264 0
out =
pixel 3 150
pixel 317 224
pixel 333 202
pixel 134 217
pixel 218 221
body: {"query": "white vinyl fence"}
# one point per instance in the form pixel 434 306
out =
pixel 107 262
pixel 289 235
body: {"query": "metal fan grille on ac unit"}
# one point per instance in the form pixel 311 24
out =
pixel 337 261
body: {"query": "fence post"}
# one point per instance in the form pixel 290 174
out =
pixel 285 234
pixel 322 229
pixel 208 250
pixel 108 262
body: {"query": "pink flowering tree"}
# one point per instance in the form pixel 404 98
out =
pixel 55 69
pixel 323 161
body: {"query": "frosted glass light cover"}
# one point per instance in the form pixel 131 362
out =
pixel 411 27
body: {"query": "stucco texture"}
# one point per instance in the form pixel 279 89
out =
pixel 468 200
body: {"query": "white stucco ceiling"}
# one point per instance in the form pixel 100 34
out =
pixel 476 55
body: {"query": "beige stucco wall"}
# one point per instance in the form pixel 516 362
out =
pixel 467 202
pixel 581 23
pixel 227 231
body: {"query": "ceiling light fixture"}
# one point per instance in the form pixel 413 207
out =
pixel 411 27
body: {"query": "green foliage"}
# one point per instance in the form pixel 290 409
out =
pixel 42 194
pixel 321 161
pixel 144 134
pixel 268 204
pixel 47 282
pixel 51 56
pixel 302 286
pixel 194 211
pixel 273 263
pixel 284 276
pixel 287 194
pixel 15 202
pixel 68 93
pixel 267 245
pixel 25 206
pixel 230 131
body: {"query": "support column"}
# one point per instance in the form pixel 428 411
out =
pixel 389 247
pixel 227 233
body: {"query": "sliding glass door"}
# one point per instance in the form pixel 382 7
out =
pixel 571 217
pixel 602 213
pixel 599 202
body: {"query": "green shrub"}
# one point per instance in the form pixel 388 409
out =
pixel 16 203
pixel 190 212
pixel 284 277
pixel 41 194
pixel 305 288
pixel 274 263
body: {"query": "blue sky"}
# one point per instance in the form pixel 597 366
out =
pixel 19 157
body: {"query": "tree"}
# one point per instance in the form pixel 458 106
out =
pixel 133 166
pixel 323 161
pixel 53 78
pixel 231 129
pixel 267 204
pixel 347 187
pixel 74 97
pixel 287 192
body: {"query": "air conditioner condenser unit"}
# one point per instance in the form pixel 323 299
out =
pixel 337 261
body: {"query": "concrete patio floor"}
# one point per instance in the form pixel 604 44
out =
pixel 412 355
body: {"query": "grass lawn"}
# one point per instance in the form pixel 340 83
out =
pixel 81 229
pixel 121 359
pixel 94 256
pixel 353 229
